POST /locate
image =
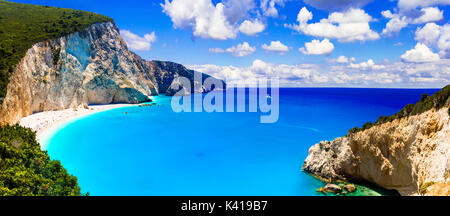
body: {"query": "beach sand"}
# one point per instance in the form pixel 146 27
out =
pixel 42 122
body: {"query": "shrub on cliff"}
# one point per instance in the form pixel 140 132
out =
pixel 22 25
pixel 424 187
pixel 25 170
pixel 437 100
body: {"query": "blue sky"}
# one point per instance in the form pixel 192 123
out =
pixel 381 57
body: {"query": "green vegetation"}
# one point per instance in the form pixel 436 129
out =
pixel 424 187
pixel 437 100
pixel 25 170
pixel 22 25
pixel 56 52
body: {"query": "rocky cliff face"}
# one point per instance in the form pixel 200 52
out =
pixel 403 154
pixel 89 67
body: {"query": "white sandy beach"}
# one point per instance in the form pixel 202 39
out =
pixel 42 122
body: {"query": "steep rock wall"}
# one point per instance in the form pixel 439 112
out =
pixel 89 67
pixel 402 154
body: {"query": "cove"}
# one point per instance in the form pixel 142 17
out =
pixel 151 150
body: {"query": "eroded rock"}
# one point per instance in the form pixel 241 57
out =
pixel 350 188
pixel 93 66
pixel 401 155
pixel 333 188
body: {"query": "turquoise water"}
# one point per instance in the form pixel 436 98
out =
pixel 155 151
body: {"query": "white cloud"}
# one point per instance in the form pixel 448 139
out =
pixel 336 4
pixel 237 10
pixel 430 14
pixel 276 46
pixel 342 59
pixel 369 65
pixel 316 47
pixel 395 24
pixel 444 41
pixel 288 74
pixel 240 50
pixel 435 36
pixel 216 50
pixel 268 7
pixel 303 16
pixel 249 27
pixel 399 21
pixel 202 17
pixel 222 19
pixel 348 26
pixel 405 5
pixel 420 53
pixel 136 42
pixel 428 34
pixel 398 74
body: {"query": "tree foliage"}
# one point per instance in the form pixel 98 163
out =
pixel 25 170
pixel 22 25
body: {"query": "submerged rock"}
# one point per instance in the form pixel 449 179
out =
pixel 322 189
pixel 350 188
pixel 333 188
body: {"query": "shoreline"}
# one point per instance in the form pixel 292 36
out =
pixel 44 122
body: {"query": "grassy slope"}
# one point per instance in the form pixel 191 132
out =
pixel 22 25
pixel 24 168
pixel 426 103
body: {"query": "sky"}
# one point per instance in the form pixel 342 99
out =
pixel 305 43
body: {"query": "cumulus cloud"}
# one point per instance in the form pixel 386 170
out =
pixel 222 19
pixel 444 41
pixel 394 25
pixel 205 19
pixel 268 7
pixel 237 10
pixel 348 26
pixel 316 47
pixel 398 74
pixel 336 4
pixel 276 46
pixel 288 74
pixel 399 21
pixel 369 64
pixel 420 53
pixel 252 27
pixel 406 5
pixel 240 50
pixel 136 42
pixel 435 36
pixel 430 14
pixel 429 34
pixel 342 59
pixel 216 50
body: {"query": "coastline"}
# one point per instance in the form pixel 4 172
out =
pixel 45 122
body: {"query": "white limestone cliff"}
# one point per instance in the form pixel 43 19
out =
pixel 402 155
pixel 93 66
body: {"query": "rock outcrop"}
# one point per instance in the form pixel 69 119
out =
pixel 402 154
pixel 89 67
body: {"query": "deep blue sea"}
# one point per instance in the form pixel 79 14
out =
pixel 155 151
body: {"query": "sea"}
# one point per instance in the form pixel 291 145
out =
pixel 153 150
